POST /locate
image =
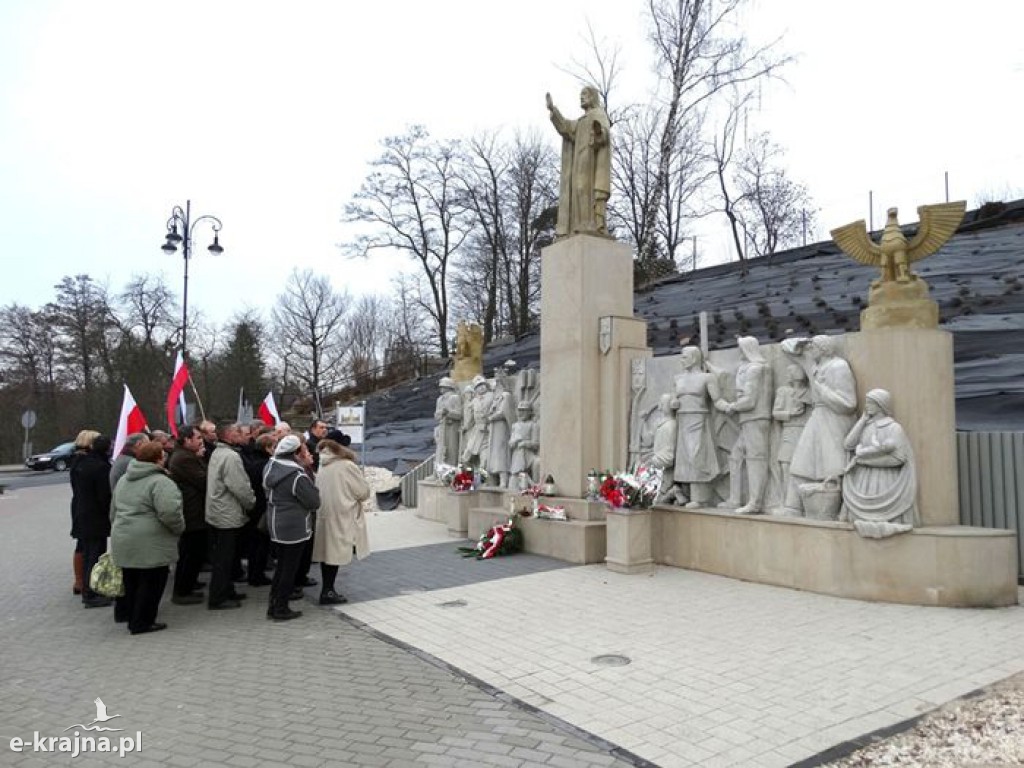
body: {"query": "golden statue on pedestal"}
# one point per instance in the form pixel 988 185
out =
pixel 899 298
pixel 894 252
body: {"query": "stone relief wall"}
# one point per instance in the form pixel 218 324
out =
pixel 772 429
pixel 497 429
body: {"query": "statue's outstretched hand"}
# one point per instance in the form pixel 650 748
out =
pixel 548 101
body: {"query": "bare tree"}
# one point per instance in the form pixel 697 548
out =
pixel 723 152
pixel 369 328
pixel 309 318
pixel 776 209
pixel 509 186
pixel 483 179
pixel 411 202
pixel 700 52
pixel 600 69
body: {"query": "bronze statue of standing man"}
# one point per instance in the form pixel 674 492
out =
pixel 586 167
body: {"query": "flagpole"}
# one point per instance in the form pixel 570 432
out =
pixel 195 392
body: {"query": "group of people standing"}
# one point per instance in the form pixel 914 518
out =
pixel 216 496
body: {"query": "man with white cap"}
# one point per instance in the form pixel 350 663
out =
pixel 291 497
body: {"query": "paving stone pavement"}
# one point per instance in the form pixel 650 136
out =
pixel 721 672
pixel 232 689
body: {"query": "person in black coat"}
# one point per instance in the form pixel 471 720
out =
pixel 90 511
pixel 187 468
pixel 255 457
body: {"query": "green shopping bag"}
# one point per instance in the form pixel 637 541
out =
pixel 106 578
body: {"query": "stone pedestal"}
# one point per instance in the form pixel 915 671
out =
pixel 939 565
pixel 916 366
pixel 456 511
pixel 583 279
pixel 900 305
pixel 630 540
pixel 431 497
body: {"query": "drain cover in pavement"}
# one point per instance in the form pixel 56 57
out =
pixel 611 660
pixel 453 604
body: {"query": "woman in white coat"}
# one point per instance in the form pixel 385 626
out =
pixel 340 522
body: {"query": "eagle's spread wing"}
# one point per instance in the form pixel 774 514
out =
pixel 854 241
pixel 938 224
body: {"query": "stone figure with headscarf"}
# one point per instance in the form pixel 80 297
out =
pixel 880 487
pixel 586 167
pixel 819 453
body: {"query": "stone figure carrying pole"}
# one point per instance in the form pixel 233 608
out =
pixel 750 452
pixel 586 167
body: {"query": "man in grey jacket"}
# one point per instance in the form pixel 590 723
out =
pixel 228 495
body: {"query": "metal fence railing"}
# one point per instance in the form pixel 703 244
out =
pixel 408 484
pixel 991 474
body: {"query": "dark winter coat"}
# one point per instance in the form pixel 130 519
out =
pixel 90 496
pixel 291 496
pixel 255 459
pixel 188 471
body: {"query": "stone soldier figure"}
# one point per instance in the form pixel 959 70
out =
pixel 448 415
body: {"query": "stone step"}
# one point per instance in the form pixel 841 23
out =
pixel 574 541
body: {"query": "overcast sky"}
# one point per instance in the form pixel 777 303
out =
pixel 266 114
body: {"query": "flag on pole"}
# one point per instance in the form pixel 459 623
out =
pixel 268 411
pixel 176 395
pixel 130 422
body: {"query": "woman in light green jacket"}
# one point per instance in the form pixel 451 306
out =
pixel 147 520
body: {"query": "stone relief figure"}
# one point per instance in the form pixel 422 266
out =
pixel 819 453
pixel 500 418
pixel 753 408
pixel 663 451
pixel 880 487
pixel 638 386
pixel 467 418
pixel 586 167
pixel 790 410
pixel 448 414
pixel 477 436
pixel 524 444
pixel 696 460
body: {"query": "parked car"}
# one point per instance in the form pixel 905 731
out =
pixel 58 458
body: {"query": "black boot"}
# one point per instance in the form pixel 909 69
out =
pixel 281 612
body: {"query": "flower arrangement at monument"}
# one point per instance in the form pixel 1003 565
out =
pixel 536 508
pixel 503 539
pixel 630 490
pixel 463 481
pixel 459 478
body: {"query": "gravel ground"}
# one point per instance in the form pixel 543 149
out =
pixel 984 730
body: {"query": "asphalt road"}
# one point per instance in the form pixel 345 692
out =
pixel 27 478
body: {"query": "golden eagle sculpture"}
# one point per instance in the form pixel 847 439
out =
pixel 894 252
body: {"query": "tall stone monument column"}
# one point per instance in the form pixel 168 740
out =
pixel 583 278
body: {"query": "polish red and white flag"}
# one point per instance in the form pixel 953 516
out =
pixel 176 395
pixel 130 422
pixel 268 411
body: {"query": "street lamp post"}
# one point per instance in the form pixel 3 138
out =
pixel 180 227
